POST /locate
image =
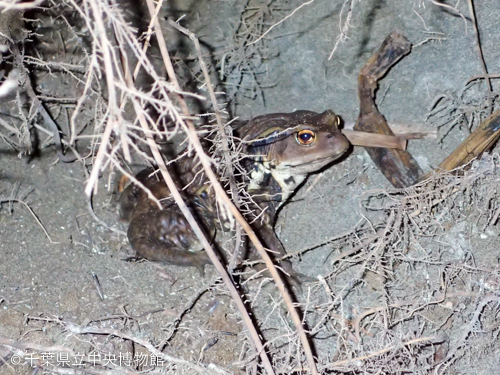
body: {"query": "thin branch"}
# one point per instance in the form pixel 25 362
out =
pixel 480 50
pixel 6 5
pixel 280 22
pixel 221 194
pixel 32 213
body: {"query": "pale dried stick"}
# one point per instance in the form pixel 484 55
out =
pixel 343 28
pixel 6 5
pixel 98 219
pixel 83 98
pixel 221 194
pixel 38 106
pixel 51 134
pixel 225 143
pixel 113 115
pixel 406 131
pixel 437 300
pixel 146 344
pixel 148 33
pixel 33 346
pixel 11 129
pixel 193 223
pixel 483 76
pixel 189 217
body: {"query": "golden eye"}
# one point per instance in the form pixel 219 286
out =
pixel 305 137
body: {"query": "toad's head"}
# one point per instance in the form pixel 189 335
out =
pixel 288 146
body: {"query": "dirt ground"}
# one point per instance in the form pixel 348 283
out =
pixel 408 281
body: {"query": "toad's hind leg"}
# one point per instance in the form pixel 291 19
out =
pixel 164 236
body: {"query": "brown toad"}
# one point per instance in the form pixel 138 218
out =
pixel 280 151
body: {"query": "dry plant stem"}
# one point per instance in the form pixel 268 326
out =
pixel 483 76
pixel 32 213
pixel 472 324
pixel 221 194
pixel 6 5
pixel 149 33
pixel 101 222
pixel 37 104
pixel 39 347
pixel 222 132
pixel 398 166
pixel 478 40
pixel 50 134
pixel 406 131
pixel 113 116
pixel 80 102
pixel 452 9
pixel 184 311
pixel 436 300
pixel 73 328
pixel 343 27
pixel 182 205
pixel 357 138
pixel 11 129
pixel 357 248
pixel 480 52
pixel 191 220
pixel 279 22
pixel 481 139
pixel 382 351
pixel 114 332
pixel 4 360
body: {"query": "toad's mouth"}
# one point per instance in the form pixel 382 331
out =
pixel 310 163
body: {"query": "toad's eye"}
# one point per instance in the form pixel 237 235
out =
pixel 305 137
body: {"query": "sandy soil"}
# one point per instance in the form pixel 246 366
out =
pixel 61 269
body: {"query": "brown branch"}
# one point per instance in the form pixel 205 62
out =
pixel 398 166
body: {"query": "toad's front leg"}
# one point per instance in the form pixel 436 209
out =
pixel 268 237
